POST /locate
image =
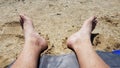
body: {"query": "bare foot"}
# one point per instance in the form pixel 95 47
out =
pixel 33 41
pixel 34 45
pixel 83 34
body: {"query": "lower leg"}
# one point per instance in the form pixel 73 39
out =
pixel 34 45
pixel 81 44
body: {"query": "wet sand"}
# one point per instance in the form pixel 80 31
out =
pixel 56 20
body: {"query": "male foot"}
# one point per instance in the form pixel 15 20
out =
pixel 33 41
pixel 34 44
pixel 84 34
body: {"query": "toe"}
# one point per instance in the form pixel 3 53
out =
pixel 21 22
pixel 26 24
pixel 91 19
pixel 24 17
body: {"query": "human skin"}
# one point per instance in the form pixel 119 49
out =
pixel 81 44
pixel 33 46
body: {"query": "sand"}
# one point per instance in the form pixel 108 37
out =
pixel 56 20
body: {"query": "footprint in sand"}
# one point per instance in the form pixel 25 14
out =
pixel 11 28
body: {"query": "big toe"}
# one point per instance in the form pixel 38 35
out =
pixel 24 17
pixel 91 19
pixel 90 22
pixel 26 24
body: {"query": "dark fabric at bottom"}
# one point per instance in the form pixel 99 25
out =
pixel 70 60
pixel 113 60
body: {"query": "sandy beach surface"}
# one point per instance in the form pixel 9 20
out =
pixel 56 20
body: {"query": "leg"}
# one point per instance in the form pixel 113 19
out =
pixel 34 45
pixel 81 44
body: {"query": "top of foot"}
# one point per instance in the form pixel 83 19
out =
pixel 83 34
pixel 31 36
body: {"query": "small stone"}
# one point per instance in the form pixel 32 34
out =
pixel 58 13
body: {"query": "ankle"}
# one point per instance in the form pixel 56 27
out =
pixel 82 45
pixel 31 50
